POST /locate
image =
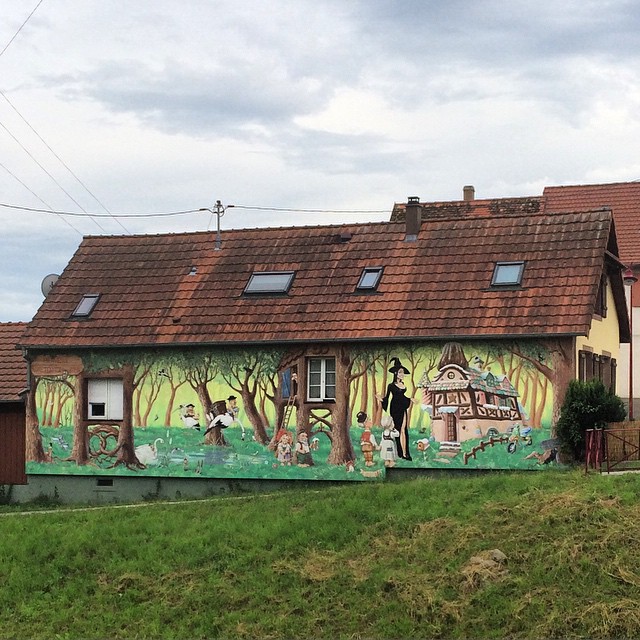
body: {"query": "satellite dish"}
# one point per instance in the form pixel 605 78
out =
pixel 48 282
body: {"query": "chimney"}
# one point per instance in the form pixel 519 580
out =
pixel 413 218
pixel 468 193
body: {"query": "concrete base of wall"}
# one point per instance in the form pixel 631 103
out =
pixel 94 490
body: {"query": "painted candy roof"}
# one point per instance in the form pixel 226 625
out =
pixel 13 368
pixel 479 380
pixel 176 289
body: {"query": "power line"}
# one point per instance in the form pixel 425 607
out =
pixel 13 175
pixel 244 206
pixel 189 211
pixel 99 215
pixel 50 175
pixel 64 164
pixel 20 29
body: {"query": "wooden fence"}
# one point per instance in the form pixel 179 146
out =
pixel 613 449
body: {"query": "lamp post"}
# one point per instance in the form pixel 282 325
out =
pixel 219 212
pixel 629 280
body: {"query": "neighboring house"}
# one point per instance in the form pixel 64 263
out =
pixel 13 383
pixel 283 341
pixel 623 199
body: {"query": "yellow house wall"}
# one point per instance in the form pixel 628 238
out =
pixel 604 336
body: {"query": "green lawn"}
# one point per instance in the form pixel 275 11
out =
pixel 395 560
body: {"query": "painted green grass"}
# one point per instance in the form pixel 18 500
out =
pixel 181 450
pixel 361 560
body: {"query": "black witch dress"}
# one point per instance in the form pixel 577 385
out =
pixel 396 404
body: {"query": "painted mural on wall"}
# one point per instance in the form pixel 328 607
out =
pixel 335 413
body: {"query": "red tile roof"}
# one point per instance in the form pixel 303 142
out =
pixel 488 207
pixel 438 286
pixel 13 368
pixel 624 200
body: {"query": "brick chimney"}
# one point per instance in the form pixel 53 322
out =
pixel 413 218
pixel 468 193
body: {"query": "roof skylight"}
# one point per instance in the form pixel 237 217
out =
pixel 86 305
pixel 370 278
pixel 270 282
pixel 507 274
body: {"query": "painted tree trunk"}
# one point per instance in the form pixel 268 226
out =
pixel 34 452
pixel 125 449
pixel 341 445
pixel 249 404
pixel 168 412
pixel 80 448
pixel 215 437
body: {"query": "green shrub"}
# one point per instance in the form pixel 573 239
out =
pixel 587 405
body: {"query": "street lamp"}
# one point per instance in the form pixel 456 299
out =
pixel 219 212
pixel 629 280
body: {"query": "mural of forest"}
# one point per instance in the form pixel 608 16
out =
pixel 339 412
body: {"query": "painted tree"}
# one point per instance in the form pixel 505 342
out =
pixel 121 365
pixel 125 452
pixel 246 372
pixel 353 364
pixel 147 383
pixel 34 451
pixel 175 377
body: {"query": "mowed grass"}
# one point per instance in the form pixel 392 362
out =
pixel 403 559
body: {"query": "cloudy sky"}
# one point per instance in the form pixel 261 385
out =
pixel 140 106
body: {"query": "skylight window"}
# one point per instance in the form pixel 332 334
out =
pixel 270 282
pixel 86 305
pixel 370 278
pixel 507 274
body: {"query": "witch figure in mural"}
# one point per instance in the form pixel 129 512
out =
pixel 397 404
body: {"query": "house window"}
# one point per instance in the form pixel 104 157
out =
pixel 321 379
pixel 592 366
pixel 105 399
pixel 86 305
pixel 507 274
pixel 601 300
pixel 270 282
pixel 370 279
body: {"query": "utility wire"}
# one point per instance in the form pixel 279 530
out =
pixel 51 176
pixel 244 206
pixel 21 27
pixel 64 164
pixel 186 211
pixel 13 175
pixel 99 215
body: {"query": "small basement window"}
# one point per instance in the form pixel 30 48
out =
pixel 270 282
pixel 370 278
pixel 86 305
pixel 507 274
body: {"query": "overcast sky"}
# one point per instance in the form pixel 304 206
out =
pixel 162 106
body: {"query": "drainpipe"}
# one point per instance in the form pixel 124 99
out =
pixel 629 280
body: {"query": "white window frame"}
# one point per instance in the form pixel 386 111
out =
pixel 105 399
pixel 320 379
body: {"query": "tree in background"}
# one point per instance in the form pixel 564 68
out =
pixel 587 405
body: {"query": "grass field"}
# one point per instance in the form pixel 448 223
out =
pixel 403 559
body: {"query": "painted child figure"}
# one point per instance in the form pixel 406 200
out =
pixel 368 441
pixel 303 451
pixel 283 450
pixel 388 451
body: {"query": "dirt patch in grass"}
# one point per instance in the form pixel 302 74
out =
pixel 487 566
